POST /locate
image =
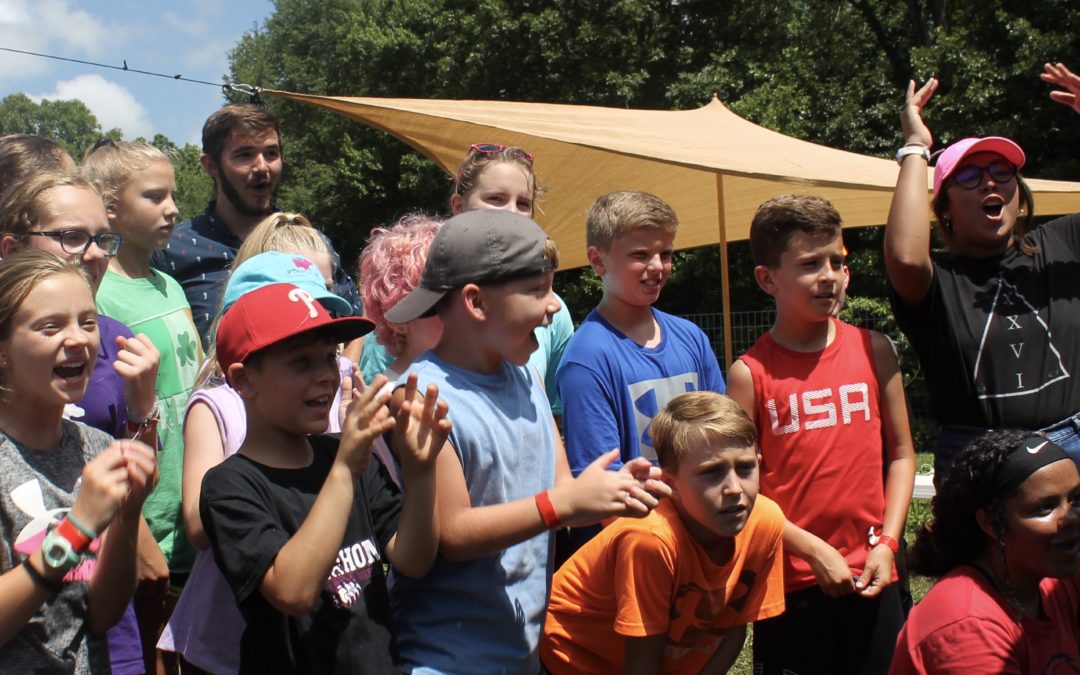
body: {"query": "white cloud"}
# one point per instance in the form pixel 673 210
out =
pixel 76 29
pixel 112 104
pixel 49 26
pixel 211 55
pixel 190 26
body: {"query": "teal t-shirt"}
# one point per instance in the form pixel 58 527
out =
pixel 157 307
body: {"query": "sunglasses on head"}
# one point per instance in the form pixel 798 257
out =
pixel 492 148
pixel 970 176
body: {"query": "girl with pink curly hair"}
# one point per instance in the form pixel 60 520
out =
pixel 390 267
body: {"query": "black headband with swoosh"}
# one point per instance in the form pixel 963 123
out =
pixel 1032 454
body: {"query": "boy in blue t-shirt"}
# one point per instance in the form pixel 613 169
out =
pixel 503 480
pixel 627 360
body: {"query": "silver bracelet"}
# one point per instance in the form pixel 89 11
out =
pixel 154 413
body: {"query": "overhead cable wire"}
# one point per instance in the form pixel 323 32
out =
pixel 246 89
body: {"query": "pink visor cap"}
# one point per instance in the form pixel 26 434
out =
pixel 951 157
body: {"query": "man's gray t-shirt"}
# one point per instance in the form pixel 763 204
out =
pixel 37 489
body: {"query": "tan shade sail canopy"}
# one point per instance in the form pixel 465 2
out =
pixel 711 165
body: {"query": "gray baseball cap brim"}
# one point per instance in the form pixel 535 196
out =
pixel 418 303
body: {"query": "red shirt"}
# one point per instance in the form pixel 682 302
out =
pixel 819 426
pixel 963 626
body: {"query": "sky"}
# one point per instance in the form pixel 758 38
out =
pixel 187 37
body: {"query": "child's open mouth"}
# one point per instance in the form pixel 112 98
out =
pixel 319 402
pixel 71 371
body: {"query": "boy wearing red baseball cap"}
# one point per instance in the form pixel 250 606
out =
pixel 301 524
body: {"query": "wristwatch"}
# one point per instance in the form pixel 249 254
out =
pixel 918 149
pixel 63 546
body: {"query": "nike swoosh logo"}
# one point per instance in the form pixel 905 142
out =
pixel 1037 448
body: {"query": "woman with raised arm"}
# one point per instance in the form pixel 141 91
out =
pixel 994 318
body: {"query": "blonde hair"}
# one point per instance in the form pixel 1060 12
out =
pixel 699 416
pixel 111 164
pixel 618 213
pixel 28 202
pixel 281 231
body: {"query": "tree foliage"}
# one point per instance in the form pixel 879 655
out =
pixel 76 129
pixel 69 123
pixel 830 72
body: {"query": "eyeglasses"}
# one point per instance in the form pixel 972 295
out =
pixel 970 176
pixel 76 242
pixel 492 148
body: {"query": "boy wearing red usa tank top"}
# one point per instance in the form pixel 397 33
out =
pixel 824 396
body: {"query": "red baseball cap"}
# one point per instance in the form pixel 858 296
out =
pixel 948 160
pixel 273 313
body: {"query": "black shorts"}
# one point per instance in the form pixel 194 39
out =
pixel 833 636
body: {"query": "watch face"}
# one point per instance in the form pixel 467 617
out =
pixel 55 555
pixel 57 552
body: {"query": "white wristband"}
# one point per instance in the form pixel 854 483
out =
pixel 920 150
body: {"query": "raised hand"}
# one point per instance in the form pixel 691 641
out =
pixel 367 417
pixel 137 364
pixel 649 489
pixel 350 386
pixel 102 489
pixel 1059 75
pixel 140 461
pixel 421 430
pixel 598 493
pixel 911 121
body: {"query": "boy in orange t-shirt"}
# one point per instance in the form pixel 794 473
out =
pixel 673 592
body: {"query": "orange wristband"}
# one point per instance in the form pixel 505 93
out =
pixel 547 511
pixel 893 545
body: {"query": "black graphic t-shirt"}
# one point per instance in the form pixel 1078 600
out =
pixel 250 511
pixel 998 338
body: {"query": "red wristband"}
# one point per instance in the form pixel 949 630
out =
pixel 547 511
pixel 79 541
pixel 893 545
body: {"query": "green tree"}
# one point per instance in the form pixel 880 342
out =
pixel 69 123
pixel 74 127
pixel 831 73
